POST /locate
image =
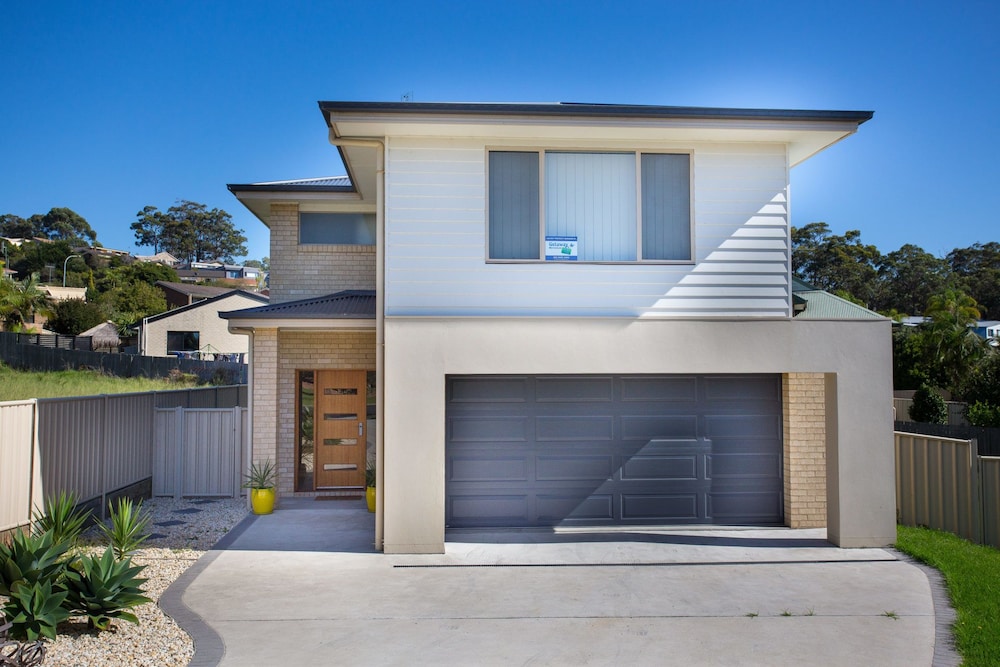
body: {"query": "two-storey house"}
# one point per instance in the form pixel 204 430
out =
pixel 566 315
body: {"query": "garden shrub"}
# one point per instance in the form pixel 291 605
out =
pixel 983 414
pixel 928 406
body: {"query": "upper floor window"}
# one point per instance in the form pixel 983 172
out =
pixel 336 228
pixel 619 206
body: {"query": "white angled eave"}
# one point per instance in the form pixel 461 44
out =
pixel 259 203
pixel 804 138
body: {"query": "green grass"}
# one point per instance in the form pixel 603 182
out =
pixel 972 573
pixel 19 385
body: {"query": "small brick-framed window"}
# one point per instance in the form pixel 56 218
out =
pixel 336 228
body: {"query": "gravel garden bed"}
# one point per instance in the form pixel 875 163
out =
pixel 181 532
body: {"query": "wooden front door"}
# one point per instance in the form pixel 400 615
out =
pixel 340 413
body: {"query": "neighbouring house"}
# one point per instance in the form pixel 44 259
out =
pixel 566 315
pixel 162 257
pixel 195 330
pixel 988 329
pixel 179 295
pixel 102 254
pixel 242 276
pixel 56 294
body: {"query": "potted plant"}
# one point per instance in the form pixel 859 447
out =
pixel 370 483
pixel 260 481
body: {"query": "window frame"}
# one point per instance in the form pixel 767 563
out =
pixel 298 230
pixel 194 334
pixel 638 153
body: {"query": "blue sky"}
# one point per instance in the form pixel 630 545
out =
pixel 111 106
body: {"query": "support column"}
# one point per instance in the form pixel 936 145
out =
pixel 265 407
pixel 804 456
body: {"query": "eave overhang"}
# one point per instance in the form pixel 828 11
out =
pixel 257 197
pixel 347 310
pixel 805 132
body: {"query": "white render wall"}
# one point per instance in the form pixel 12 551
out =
pixel 855 357
pixel 214 330
pixel 436 241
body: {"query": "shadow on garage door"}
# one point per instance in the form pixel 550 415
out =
pixel 602 450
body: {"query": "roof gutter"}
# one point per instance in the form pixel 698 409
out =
pixel 571 109
pixel 379 146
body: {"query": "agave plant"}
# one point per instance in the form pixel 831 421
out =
pixel 61 518
pixel 261 475
pixel 35 609
pixel 30 559
pixel 128 527
pixel 103 589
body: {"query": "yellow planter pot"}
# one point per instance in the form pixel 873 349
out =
pixel 262 500
pixel 370 498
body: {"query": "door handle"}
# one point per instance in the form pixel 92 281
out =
pixel 361 428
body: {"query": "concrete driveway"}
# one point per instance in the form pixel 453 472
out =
pixel 303 587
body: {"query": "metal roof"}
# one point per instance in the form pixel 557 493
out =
pixel 348 304
pixel 205 302
pixel 592 110
pixel 821 305
pixel 191 289
pixel 322 184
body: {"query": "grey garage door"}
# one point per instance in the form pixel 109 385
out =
pixel 613 450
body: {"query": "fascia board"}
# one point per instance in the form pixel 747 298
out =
pixel 803 138
pixel 302 324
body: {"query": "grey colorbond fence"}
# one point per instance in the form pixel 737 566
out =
pixel 943 483
pixel 55 341
pixel 19 351
pixel 988 439
pixel 97 447
pixel 199 451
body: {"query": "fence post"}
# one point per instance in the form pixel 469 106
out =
pixel 37 492
pixel 102 478
pixel 978 497
pixel 237 449
pixel 179 453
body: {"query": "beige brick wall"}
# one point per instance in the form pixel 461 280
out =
pixel 301 272
pixel 264 407
pixel 804 421
pixel 300 350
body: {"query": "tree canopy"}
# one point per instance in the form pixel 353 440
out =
pixel 978 270
pixel 901 281
pixel 836 263
pixel 190 231
pixel 74 316
pixel 59 224
pixel 952 292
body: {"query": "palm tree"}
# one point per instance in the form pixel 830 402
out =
pixel 19 301
pixel 950 340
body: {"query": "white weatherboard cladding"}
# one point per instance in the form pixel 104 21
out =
pixel 436 243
